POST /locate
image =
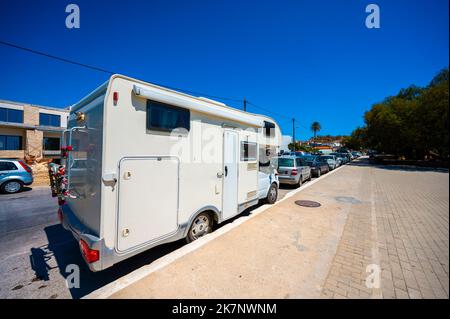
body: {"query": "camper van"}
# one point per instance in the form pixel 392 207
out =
pixel 146 165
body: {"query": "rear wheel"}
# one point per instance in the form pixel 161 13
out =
pixel 12 187
pixel 201 226
pixel 319 172
pixel 272 195
pixel 300 181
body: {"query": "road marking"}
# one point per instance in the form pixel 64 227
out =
pixel 121 283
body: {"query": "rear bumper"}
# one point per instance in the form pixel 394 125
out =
pixel 71 223
pixel 28 181
pixel 287 180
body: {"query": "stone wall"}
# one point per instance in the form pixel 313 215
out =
pixel 33 145
pixel 30 115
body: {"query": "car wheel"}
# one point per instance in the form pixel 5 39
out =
pixel 201 225
pixel 300 181
pixel 12 187
pixel 319 172
pixel 272 195
pixel 310 177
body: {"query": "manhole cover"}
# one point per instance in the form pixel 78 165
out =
pixel 307 203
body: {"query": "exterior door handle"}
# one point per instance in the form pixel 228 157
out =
pixel 226 171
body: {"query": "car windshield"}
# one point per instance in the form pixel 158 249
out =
pixel 327 157
pixel 285 162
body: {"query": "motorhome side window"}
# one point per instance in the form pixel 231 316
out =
pixel 269 129
pixel 248 151
pixel 165 117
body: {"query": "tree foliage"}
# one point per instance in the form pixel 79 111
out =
pixel 414 123
pixel 315 127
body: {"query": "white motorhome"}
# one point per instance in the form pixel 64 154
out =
pixel 147 165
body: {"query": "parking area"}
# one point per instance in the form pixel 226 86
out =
pixel 36 250
pixel 394 217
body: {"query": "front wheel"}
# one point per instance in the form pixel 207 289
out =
pixel 201 226
pixel 11 187
pixel 272 195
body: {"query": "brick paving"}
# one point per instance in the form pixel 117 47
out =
pixel 402 225
pixel 389 223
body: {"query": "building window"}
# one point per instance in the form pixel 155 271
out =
pixel 248 151
pixel 11 115
pixel 49 119
pixel 164 117
pixel 10 143
pixel 51 144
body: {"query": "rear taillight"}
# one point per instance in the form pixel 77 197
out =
pixel 294 172
pixel 91 255
pixel 25 166
pixel 115 98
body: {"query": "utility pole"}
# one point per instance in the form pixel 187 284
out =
pixel 245 105
pixel 293 133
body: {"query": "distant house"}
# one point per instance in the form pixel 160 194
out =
pixel 29 131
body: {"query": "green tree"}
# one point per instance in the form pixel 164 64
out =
pixel 357 140
pixel 414 123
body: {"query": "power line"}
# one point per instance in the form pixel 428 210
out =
pixel 55 57
pixel 95 68
pixel 51 56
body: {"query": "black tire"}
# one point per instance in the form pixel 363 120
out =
pixel 272 194
pixel 196 231
pixel 7 189
pixel 300 182
pixel 319 172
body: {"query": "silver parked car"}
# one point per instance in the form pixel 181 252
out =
pixel 331 160
pixel 292 170
pixel 14 174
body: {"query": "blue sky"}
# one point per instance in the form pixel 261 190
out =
pixel 312 60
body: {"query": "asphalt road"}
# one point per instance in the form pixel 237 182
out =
pixel 36 250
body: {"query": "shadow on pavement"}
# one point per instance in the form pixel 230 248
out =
pixel 394 167
pixel 23 190
pixel 64 249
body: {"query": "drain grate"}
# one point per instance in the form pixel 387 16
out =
pixel 307 203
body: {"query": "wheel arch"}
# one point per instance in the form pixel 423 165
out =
pixel 214 212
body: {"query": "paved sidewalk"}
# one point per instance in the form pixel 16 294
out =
pixel 403 227
pixel 369 216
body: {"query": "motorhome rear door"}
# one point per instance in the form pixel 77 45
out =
pixel 148 200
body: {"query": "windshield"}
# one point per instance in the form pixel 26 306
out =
pixel 285 162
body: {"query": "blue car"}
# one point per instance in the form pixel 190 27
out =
pixel 14 174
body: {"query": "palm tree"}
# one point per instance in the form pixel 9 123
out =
pixel 315 127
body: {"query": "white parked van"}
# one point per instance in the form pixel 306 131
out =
pixel 146 165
